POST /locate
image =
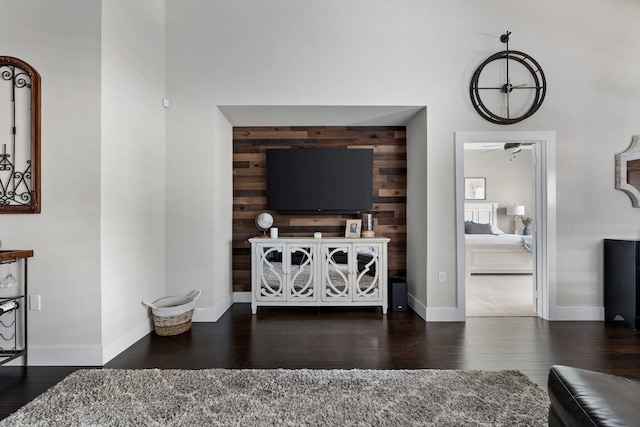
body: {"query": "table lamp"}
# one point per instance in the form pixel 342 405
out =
pixel 515 211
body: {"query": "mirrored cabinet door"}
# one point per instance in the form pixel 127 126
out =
pixel 367 281
pixel 336 268
pixel 270 271
pixel 302 265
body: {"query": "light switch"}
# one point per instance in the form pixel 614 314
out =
pixel 34 303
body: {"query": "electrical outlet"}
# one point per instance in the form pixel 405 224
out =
pixel 35 303
pixel 442 277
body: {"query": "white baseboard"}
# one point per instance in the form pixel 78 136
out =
pixel 442 314
pixel 417 306
pixel 579 313
pixel 99 356
pixel 65 356
pixel 86 355
pixel 212 314
pixel 433 314
pixel 450 314
pixel 242 297
pixel 126 340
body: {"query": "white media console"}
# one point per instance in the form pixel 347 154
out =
pixel 301 271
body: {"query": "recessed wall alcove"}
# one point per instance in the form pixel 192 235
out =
pixel 387 129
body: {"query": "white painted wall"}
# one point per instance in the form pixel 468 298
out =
pixel 223 165
pixel 61 39
pixel 132 163
pixel 509 180
pixel 417 211
pixel 192 212
pixel 99 241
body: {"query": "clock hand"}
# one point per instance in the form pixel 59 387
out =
pixel 509 87
pixel 507 90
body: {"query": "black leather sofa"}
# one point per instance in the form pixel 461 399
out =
pixel 586 398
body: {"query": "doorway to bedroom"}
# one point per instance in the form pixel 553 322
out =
pixel 503 178
pixel 498 206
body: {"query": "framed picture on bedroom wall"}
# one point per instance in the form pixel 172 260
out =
pixel 475 189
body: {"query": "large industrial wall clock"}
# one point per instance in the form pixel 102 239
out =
pixel 508 86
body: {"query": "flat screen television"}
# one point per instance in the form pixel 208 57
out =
pixel 319 180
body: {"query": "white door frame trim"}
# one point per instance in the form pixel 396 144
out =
pixel 545 211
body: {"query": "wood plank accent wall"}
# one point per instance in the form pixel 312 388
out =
pixel 249 188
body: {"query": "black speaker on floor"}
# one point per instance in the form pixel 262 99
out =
pixel 397 294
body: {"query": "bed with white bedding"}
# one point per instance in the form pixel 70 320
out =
pixel 492 251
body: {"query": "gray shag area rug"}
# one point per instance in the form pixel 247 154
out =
pixel 222 397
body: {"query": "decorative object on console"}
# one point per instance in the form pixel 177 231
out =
pixel 475 189
pixel 628 171
pixel 353 228
pixel 367 225
pixel 515 211
pixel 264 221
pixel 526 222
pixel 517 101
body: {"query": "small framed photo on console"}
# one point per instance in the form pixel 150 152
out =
pixel 353 228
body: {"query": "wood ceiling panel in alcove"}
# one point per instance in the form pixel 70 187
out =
pixel 249 188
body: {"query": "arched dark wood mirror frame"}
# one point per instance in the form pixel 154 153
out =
pixel 628 171
pixel 19 137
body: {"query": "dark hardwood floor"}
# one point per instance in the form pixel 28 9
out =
pixel 332 338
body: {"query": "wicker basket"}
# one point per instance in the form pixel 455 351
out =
pixel 172 315
pixel 172 325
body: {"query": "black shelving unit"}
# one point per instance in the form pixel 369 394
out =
pixel 13 324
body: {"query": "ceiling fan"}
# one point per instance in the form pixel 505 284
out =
pixel 515 147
